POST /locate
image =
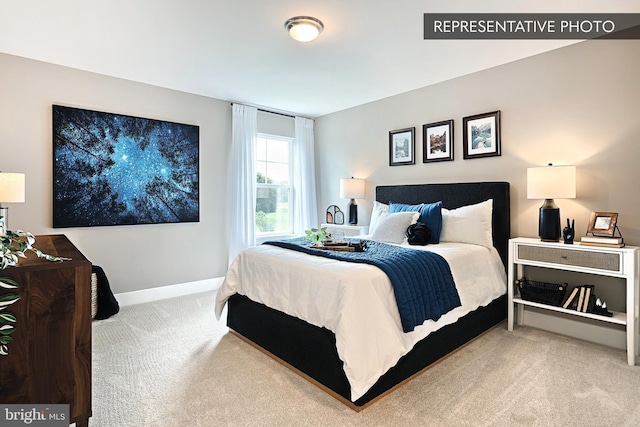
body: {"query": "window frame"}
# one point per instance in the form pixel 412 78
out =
pixel 262 236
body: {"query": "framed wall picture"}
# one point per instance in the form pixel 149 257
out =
pixel 402 147
pixel 481 135
pixel 113 169
pixel 437 142
pixel 603 223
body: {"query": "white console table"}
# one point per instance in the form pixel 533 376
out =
pixel 604 261
pixel 348 230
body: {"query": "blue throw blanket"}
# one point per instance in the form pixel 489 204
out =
pixel 421 280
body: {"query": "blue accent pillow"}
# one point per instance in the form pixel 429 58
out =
pixel 430 214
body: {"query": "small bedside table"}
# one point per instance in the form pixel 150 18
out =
pixel 602 261
pixel 348 230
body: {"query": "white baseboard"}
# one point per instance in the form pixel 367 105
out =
pixel 171 291
pixel 581 328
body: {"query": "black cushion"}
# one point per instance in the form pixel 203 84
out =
pixel 107 303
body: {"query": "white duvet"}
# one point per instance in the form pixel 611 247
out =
pixel 356 301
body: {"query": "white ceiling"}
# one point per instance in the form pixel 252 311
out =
pixel 238 50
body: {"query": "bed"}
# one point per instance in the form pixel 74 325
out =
pixel 319 350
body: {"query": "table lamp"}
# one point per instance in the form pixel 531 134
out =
pixel 11 191
pixel 548 183
pixel 352 188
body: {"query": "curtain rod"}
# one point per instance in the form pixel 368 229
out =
pixel 274 112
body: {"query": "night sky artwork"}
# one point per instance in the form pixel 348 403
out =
pixel 112 169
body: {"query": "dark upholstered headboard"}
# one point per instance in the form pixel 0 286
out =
pixel 456 195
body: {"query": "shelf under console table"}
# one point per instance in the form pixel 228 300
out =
pixel 603 261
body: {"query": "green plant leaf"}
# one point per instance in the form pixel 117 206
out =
pixel 8 299
pixel 8 283
pixel 15 244
pixel 6 329
pixel 7 318
pixel 5 339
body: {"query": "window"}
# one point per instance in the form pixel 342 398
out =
pixel 273 185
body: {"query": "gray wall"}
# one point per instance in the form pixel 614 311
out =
pixel 134 257
pixel 276 124
pixel 577 105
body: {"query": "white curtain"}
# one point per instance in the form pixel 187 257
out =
pixel 242 176
pixel 305 207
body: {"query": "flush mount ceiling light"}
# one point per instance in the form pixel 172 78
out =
pixel 304 28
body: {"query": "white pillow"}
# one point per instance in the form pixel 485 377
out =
pixel 378 208
pixel 468 224
pixel 392 227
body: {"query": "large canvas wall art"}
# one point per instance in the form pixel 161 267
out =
pixel 112 169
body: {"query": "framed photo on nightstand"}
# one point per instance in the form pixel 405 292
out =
pixel 603 224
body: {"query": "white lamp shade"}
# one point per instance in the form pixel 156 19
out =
pixel 352 188
pixel 551 182
pixel 11 187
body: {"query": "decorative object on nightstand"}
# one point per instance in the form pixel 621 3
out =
pixel 329 214
pixel 11 191
pixel 604 224
pixel 334 215
pixel 352 188
pixel 548 183
pixel 603 231
pixel 569 232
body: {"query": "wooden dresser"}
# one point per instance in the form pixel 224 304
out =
pixel 49 360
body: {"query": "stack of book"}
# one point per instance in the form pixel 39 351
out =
pixel 608 242
pixel 342 246
pixel 580 299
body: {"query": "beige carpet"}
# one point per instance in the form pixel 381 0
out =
pixel 170 363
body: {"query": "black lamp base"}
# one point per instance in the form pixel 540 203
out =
pixel 549 222
pixel 353 212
